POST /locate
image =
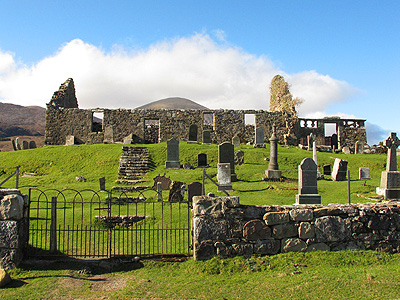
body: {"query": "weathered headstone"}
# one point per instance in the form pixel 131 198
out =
pixel 194 189
pixel 236 141
pixel 206 137
pixel 327 169
pixel 239 157
pixel 165 182
pixel 176 191
pixel 259 138
pixel 358 148
pixel 109 135
pixel 226 154
pixel 172 154
pixel 69 140
pixel 390 179
pixel 310 141
pixel 14 145
pixel 193 133
pixel 128 139
pixel 273 172
pixel 339 172
pixel 224 177
pixel 32 145
pixel 102 183
pixel 308 191
pixel 202 160
pixel 18 144
pixel 319 175
pixel 25 145
pixel 346 150
pixel 364 174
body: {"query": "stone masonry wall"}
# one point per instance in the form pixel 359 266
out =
pixel 14 228
pixel 223 227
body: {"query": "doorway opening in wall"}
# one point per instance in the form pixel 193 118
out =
pixel 97 121
pixel 151 131
pixel 330 133
pixel 208 121
pixel 250 119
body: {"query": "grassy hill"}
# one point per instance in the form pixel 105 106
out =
pixel 57 167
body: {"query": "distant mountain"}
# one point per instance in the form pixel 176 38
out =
pixel 17 120
pixel 173 103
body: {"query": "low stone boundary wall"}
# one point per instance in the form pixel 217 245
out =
pixel 13 227
pixel 223 227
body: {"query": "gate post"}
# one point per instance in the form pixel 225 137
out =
pixel 53 225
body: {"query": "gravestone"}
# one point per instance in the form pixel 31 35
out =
pixel 32 145
pixel 102 183
pixel 346 150
pixel 390 179
pixel 334 142
pixel 259 138
pixel 18 144
pixel 364 174
pixel 14 145
pixel 25 145
pixel 226 154
pixel 186 166
pixel 310 141
pixel 176 191
pixel 194 189
pixel 172 154
pixel 206 137
pixel 224 177
pixel 308 191
pixel 202 160
pixel 165 182
pixel 236 141
pixel 358 148
pixel 239 157
pixel 109 135
pixel 339 172
pixel 193 133
pixel 273 172
pixel 128 139
pixel 319 175
pixel 327 169
pixel 69 140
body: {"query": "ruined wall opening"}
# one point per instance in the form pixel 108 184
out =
pixel 208 121
pixel 97 121
pixel 151 131
pixel 250 119
pixel 330 133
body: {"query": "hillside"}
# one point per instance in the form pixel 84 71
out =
pixel 173 103
pixel 17 120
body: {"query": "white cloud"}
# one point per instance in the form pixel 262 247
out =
pixel 212 73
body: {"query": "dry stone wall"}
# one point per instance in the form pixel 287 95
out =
pixel 223 227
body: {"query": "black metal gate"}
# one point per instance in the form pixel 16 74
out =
pixel 102 224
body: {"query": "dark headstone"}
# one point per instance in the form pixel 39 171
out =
pixel 176 191
pixel 102 182
pixel 226 154
pixel 259 138
pixel 327 169
pixel 194 189
pixel 202 160
pixel 334 141
pixel 308 191
pixel 172 154
pixel 206 137
pixel 165 182
pixel 193 133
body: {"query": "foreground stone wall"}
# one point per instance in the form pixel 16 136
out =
pixel 13 227
pixel 223 227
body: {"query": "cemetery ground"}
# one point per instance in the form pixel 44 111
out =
pixel 334 275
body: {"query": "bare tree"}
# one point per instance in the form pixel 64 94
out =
pixel 281 98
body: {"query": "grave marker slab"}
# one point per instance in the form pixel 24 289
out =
pixel 224 177
pixel 109 135
pixel 236 141
pixel 202 160
pixel 194 189
pixel 193 133
pixel 172 154
pixel 339 172
pixel 259 138
pixel 226 154
pixel 206 137
pixel 165 182
pixel 308 191
pixel 69 140
pixel 327 169
pixel 364 174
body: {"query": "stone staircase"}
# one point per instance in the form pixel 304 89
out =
pixel 133 165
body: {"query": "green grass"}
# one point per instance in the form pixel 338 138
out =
pixel 317 275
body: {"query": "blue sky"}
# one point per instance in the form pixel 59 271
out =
pixel 341 57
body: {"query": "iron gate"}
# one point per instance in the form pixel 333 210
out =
pixel 102 224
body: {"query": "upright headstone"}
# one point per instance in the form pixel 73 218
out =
pixel 319 175
pixel 308 191
pixel 69 140
pixel 273 172
pixel 390 179
pixel 226 154
pixel 25 145
pixel 239 157
pixel 259 138
pixel 18 144
pixel 32 145
pixel 334 142
pixel 358 148
pixel 172 154
pixel 206 137
pixel 176 191
pixel 327 169
pixel 224 177
pixel 310 141
pixel 163 180
pixel 109 135
pixel 236 141
pixel 14 145
pixel 202 160
pixel 339 172
pixel 128 139
pixel 193 133
pixel 364 174
pixel 346 150
pixel 102 183
pixel 194 189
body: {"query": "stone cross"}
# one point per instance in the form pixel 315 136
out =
pixel 392 142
